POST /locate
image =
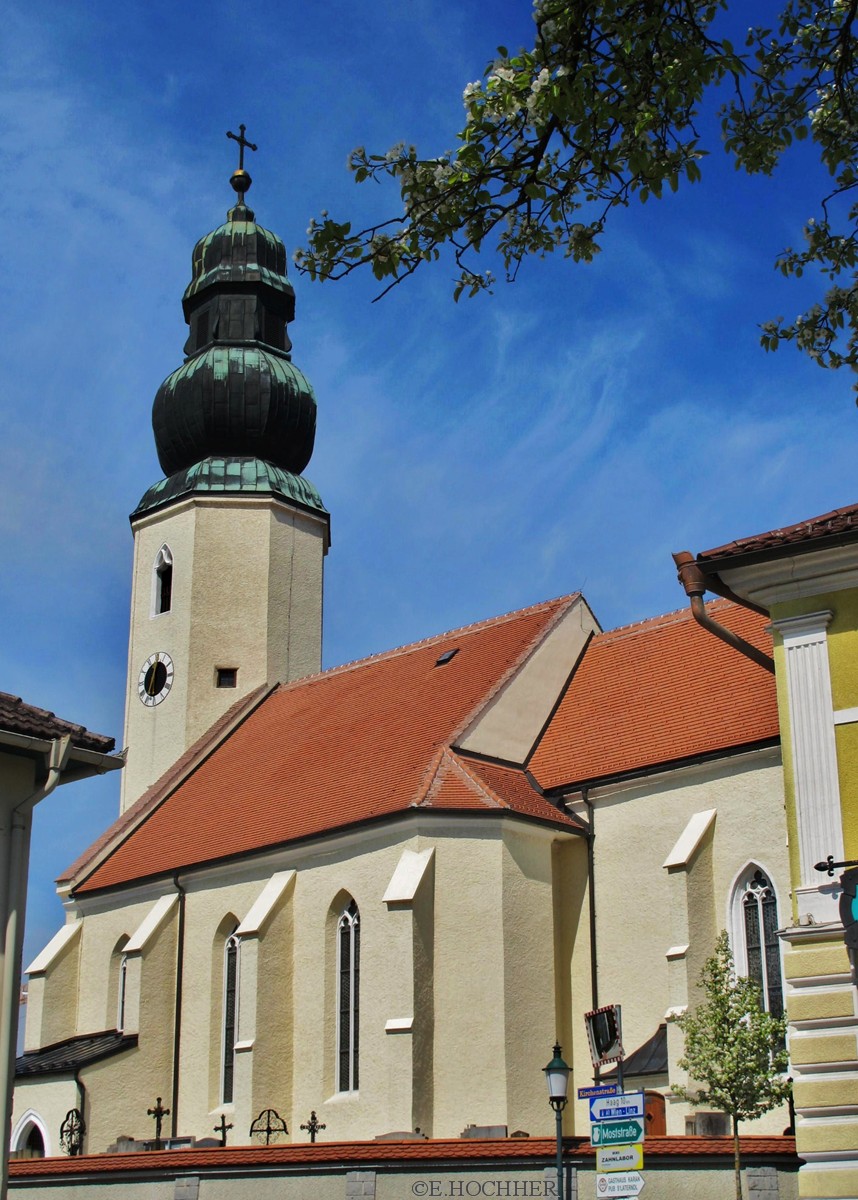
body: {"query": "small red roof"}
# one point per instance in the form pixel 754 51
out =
pixel 359 742
pixel 841 524
pixel 657 692
pixel 26 719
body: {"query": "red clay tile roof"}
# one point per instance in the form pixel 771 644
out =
pixel 167 1163
pixel 461 782
pixel 18 717
pixel 655 693
pixel 153 796
pixel 355 743
pixel 841 524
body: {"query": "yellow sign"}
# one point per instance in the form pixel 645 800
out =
pixel 619 1158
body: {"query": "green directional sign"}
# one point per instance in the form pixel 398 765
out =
pixel 617 1133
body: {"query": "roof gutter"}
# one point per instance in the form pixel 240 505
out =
pixel 696 584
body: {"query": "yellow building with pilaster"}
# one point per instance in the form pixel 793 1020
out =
pixel 806 577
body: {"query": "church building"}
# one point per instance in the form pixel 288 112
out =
pixel 381 892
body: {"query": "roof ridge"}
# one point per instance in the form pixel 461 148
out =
pixel 674 616
pixel 394 651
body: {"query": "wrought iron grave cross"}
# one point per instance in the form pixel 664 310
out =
pixel 222 1129
pixel 313 1126
pixel 158 1112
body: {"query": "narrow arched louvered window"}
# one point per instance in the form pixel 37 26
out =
pixel 760 925
pixel 348 999
pixel 120 1006
pixel 162 582
pixel 230 1016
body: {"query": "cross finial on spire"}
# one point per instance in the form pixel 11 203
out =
pixel 240 179
pixel 242 142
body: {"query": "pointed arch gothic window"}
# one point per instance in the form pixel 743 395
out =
pixel 348 998
pixel 755 942
pixel 162 581
pixel 120 1005
pixel 230 1016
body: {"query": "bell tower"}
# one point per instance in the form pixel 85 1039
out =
pixel 229 545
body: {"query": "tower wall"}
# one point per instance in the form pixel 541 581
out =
pixel 246 595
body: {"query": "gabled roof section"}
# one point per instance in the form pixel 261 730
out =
pixel 648 1059
pixel 656 693
pixel 350 745
pixel 832 528
pixel 460 782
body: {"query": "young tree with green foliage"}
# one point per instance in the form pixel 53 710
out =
pixel 734 1050
pixel 604 109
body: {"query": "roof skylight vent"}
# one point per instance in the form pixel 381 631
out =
pixel 444 658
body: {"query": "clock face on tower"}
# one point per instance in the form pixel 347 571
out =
pixel 155 679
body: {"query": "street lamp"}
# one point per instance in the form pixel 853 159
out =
pixel 557 1078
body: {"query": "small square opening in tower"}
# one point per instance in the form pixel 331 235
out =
pixel 226 677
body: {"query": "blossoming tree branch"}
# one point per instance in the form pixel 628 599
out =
pixel 603 110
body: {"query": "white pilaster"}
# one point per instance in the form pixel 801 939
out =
pixel 814 753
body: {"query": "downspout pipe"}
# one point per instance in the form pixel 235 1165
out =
pixel 696 584
pixel 177 1019
pixel 591 879
pixel 81 1103
pixel 14 858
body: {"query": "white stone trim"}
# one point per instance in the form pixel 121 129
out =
pixel 676 1010
pixel 54 948
pixel 845 716
pixel 689 840
pixel 676 952
pixel 399 1025
pixel 814 753
pixel 263 906
pixel 151 923
pixel 406 879
pixel 31 1117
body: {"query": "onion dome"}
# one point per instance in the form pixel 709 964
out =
pixel 237 394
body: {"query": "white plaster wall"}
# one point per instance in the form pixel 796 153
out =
pixel 636 901
pixel 50 1098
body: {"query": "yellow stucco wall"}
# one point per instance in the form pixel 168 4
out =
pixel 843 665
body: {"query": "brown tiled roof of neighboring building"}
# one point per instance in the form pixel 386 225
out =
pixel 350 745
pixel 655 693
pixel 841 524
pixel 26 719
pixel 167 1163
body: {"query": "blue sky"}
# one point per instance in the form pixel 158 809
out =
pixel 568 432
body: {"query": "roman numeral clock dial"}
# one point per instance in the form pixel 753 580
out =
pixel 155 679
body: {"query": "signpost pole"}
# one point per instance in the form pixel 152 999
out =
pixel 620 1080
pixel 558 1113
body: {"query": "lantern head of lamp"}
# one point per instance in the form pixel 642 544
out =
pixel 557 1078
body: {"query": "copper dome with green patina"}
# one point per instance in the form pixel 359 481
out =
pixel 237 394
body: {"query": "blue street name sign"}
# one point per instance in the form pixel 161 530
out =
pixel 600 1089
